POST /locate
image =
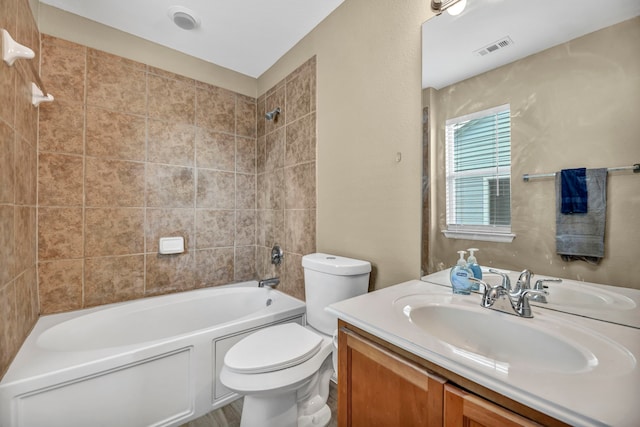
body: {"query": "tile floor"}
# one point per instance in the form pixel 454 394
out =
pixel 229 416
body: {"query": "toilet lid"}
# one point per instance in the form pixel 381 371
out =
pixel 273 348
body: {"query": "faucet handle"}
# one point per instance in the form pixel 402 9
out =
pixel 524 280
pixel 522 306
pixel 539 286
pixel 490 293
pixel 506 282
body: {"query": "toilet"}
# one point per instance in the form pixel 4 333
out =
pixel 283 371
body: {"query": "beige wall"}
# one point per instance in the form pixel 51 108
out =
pixel 368 55
pixel 574 105
pixel 18 167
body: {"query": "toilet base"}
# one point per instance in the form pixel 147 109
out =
pixel 270 411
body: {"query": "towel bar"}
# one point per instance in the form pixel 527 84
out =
pixel 635 168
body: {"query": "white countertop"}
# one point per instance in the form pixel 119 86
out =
pixel 607 394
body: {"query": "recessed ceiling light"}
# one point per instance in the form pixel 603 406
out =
pixel 183 17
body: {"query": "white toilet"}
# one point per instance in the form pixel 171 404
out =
pixel 284 370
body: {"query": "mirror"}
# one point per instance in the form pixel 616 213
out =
pixel 570 73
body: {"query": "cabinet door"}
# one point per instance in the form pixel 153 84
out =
pixel 379 388
pixel 468 410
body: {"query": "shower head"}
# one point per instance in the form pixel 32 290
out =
pixel 272 114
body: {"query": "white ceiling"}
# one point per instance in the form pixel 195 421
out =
pixel 247 36
pixel 449 43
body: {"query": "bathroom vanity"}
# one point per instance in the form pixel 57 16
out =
pixel 414 354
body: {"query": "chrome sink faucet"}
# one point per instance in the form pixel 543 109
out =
pixel 500 298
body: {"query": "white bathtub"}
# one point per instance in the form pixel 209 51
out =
pixel 150 362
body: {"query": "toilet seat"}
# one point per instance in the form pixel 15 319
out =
pixel 283 379
pixel 272 349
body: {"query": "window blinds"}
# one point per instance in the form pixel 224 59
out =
pixel 479 171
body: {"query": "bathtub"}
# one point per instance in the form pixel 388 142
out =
pixel 149 362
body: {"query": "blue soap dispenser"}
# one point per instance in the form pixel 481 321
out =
pixel 472 263
pixel 460 275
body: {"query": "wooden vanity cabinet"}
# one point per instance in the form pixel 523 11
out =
pixel 378 388
pixel 462 409
pixel 382 385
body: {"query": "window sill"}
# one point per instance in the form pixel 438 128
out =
pixel 480 235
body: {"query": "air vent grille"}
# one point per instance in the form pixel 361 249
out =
pixel 497 45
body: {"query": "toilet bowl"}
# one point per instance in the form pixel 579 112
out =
pixel 284 370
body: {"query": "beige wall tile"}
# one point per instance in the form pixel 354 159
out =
pixel 61 127
pixel 113 279
pixel 169 223
pixel 60 233
pixel 298 94
pixel 245 230
pixel 169 273
pixel 8 15
pixel 169 186
pixel 215 150
pixel 115 85
pixel 9 328
pixel 60 285
pixel 272 186
pixel 214 228
pixel 60 180
pixel 7 167
pixel 7 93
pixel 115 135
pixel 300 227
pixel 301 141
pixel 261 121
pixel 25 173
pixel 171 99
pixel 214 267
pixel 216 190
pixel 27 309
pixel 274 150
pixel 245 191
pixel 7 243
pixel 246 155
pixel 301 186
pixel 25 238
pixel 118 231
pixel 245 263
pixel 26 116
pixel 171 143
pixel 215 108
pixel 114 183
pixel 261 154
pixel 293 282
pixel 63 69
pixel 246 116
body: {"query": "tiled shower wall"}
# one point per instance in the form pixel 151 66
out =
pixel 18 142
pixel 129 153
pixel 286 159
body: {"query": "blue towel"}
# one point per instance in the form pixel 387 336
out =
pixel 581 237
pixel 574 191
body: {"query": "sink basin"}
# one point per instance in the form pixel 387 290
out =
pixel 575 295
pixel 507 343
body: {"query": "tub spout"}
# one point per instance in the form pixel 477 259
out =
pixel 272 282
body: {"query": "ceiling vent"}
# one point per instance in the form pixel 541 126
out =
pixel 183 17
pixel 495 46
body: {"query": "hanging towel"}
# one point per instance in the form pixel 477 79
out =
pixel 574 190
pixel 581 236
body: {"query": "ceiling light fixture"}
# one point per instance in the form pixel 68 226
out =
pixel 455 7
pixel 183 17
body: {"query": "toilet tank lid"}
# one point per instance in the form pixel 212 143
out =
pixel 336 265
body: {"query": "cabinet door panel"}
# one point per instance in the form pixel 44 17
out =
pixel 465 409
pixel 379 388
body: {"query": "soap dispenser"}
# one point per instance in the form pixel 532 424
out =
pixel 472 263
pixel 460 275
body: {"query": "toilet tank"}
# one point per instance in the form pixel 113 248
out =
pixel 328 279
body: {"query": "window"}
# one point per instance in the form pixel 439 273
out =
pixel 479 175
